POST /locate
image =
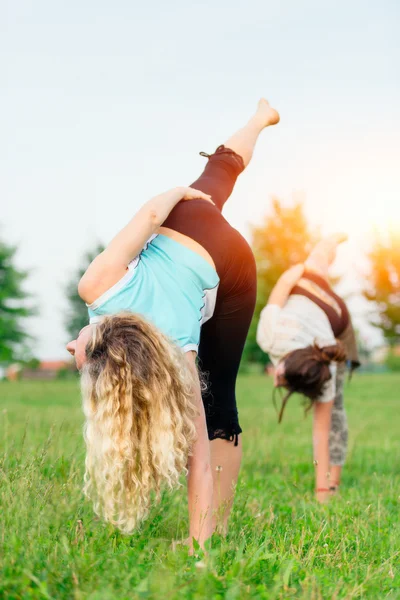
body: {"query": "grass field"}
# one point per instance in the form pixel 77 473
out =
pixel 281 543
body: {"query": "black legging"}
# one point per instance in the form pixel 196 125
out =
pixel 223 336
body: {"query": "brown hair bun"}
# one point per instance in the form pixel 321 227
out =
pixel 307 371
pixel 333 353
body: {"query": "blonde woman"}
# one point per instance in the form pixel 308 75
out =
pixel 176 283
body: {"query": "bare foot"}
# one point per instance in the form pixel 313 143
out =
pixel 337 238
pixel 175 544
pixel 323 497
pixel 324 253
pixel 267 114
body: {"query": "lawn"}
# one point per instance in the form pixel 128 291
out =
pixel 281 543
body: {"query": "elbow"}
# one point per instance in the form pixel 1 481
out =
pixel 155 218
pixel 85 289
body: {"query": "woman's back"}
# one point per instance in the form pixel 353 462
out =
pixel 170 285
pixel 297 325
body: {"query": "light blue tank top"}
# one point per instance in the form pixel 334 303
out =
pixel 169 284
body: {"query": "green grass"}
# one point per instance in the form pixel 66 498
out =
pixel 281 544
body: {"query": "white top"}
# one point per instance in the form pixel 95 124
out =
pixel 298 324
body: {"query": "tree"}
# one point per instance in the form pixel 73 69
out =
pixel 383 285
pixel 13 308
pixel 77 315
pixel 282 240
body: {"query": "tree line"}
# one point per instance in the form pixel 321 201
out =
pixel 282 239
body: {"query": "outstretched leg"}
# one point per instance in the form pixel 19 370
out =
pixel 224 335
pixel 219 176
pixel 243 141
pixel 322 256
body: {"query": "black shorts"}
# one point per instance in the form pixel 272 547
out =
pixel 223 336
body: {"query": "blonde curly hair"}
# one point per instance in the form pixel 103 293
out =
pixel 138 402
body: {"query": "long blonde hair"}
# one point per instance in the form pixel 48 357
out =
pixel 137 394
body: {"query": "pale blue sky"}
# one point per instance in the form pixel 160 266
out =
pixel 105 104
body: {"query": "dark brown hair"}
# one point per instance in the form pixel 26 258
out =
pixel 307 370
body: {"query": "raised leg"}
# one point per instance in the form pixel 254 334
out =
pixel 322 256
pixel 243 141
pixel 225 165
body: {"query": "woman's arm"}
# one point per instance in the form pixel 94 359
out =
pixel 284 285
pixel 109 266
pixel 277 300
pixel 199 480
pixel 321 429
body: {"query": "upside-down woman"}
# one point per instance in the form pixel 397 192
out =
pixel 306 330
pixel 176 283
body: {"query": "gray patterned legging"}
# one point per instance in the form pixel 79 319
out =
pixel 338 436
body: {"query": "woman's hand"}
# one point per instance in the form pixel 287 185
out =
pixel 188 193
pixel 111 265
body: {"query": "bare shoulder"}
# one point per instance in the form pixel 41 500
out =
pixel 99 277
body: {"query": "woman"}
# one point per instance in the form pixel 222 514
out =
pixel 153 306
pixel 299 328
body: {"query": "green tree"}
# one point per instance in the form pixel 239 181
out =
pixel 13 308
pixel 77 315
pixel 282 240
pixel 383 284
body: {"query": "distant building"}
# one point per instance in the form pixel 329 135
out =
pixel 45 370
pixel 53 365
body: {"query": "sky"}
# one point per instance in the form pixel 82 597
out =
pixel 105 104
